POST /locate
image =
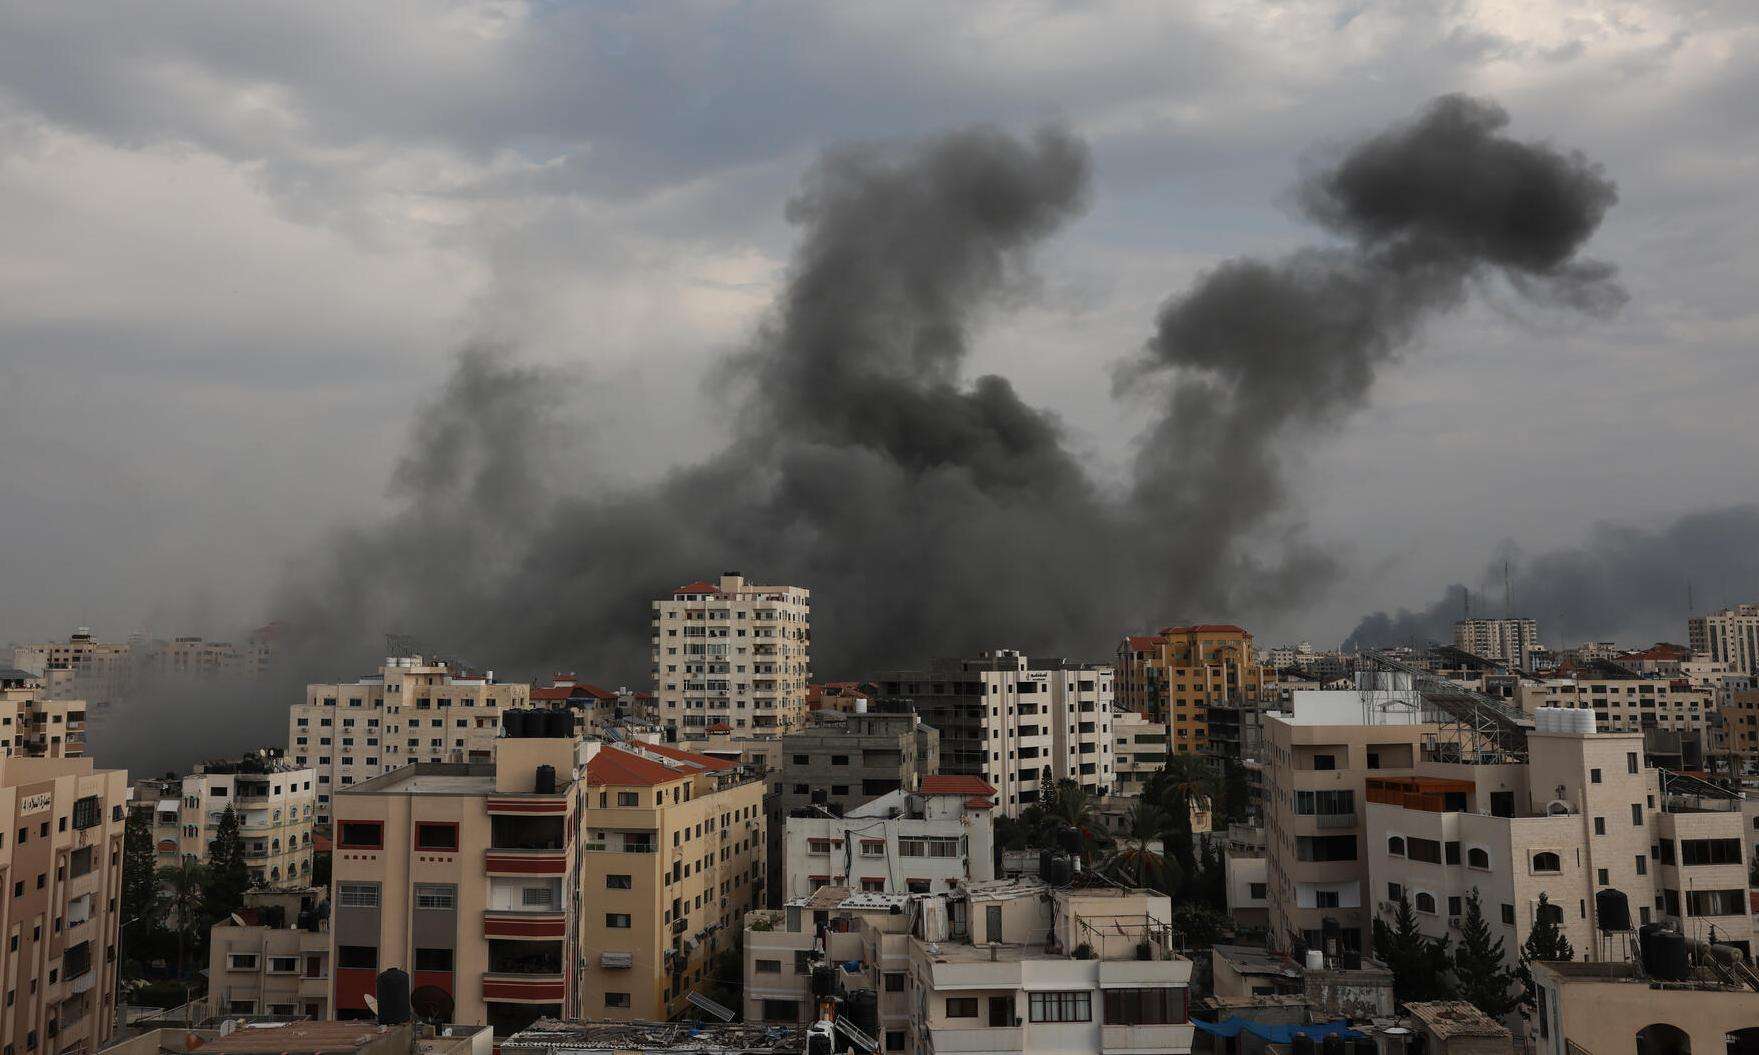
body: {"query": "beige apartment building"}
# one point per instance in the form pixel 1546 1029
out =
pixel 276 806
pixel 1615 1007
pixel 34 725
pixel 273 956
pixel 568 878
pixel 1625 703
pixel 1140 746
pixel 864 927
pixel 61 823
pixel 1511 642
pixel 415 709
pixel 1730 636
pixel 80 667
pixel 732 653
pixel 1319 756
pixel 1011 719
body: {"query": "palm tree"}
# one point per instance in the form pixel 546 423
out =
pixel 1071 809
pixel 185 902
pixel 1133 859
pixel 1188 778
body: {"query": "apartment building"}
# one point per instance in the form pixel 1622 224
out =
pixel 594 709
pixel 1740 727
pixel 1617 1006
pixel 1622 700
pixel 273 956
pixel 1730 636
pixel 61 823
pixel 567 878
pixel 732 653
pixel 81 667
pixel 839 762
pixel 415 709
pixel 1139 749
pixel 33 724
pixel 1012 720
pixel 1016 966
pixel 1319 756
pixel 1247 874
pixel 1204 681
pixel 834 925
pixel 276 807
pixel 935 837
pixel 1511 642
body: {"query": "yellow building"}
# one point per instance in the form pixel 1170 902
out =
pixel 1203 681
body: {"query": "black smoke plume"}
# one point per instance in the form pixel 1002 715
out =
pixel 932 514
pixel 1622 584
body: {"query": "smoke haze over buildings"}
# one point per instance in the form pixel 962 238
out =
pixel 931 513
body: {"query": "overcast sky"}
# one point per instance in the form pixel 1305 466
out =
pixel 242 243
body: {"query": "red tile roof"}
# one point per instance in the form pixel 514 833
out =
pixel 698 587
pixel 705 761
pixel 552 692
pixel 1142 642
pixel 720 727
pixel 956 785
pixel 321 843
pixel 574 691
pixel 613 765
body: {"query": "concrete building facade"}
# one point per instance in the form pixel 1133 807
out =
pixel 732 652
pixel 273 957
pixel 276 806
pixel 1203 681
pixel 36 725
pixel 1511 642
pixel 62 821
pixel 1140 746
pixel 415 709
pixel 1011 720
pixel 1730 636
pixel 931 839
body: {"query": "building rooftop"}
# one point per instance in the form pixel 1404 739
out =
pixel 841 897
pixel 743 1038
pixel 430 778
pixel 1247 960
pixel 645 765
pixel 300 1038
pixel 1455 1018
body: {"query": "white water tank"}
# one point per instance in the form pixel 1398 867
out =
pixel 1545 720
pixel 1315 959
pixel 1584 721
pixel 860 705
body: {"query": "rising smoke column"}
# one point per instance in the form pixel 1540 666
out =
pixel 933 515
pixel 1622 583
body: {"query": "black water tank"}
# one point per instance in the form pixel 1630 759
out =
pixel 862 1007
pixel 545 782
pixel 1303 1044
pixel 393 993
pixel 1671 963
pixel 824 980
pixel 1045 857
pixel 1351 959
pixel 1646 945
pixel 1070 838
pixel 513 724
pixel 1062 870
pixel 818 1044
pixel 561 725
pixel 1334 1044
pixel 1614 910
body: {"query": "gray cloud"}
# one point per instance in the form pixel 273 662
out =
pixel 930 514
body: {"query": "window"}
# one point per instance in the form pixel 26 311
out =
pixel 628 798
pixel 1455 905
pixel 1478 857
pixel 1546 861
pixel 1257 891
pixel 1311 803
pixel 1594 776
pixel 1600 826
pixel 537 897
pixel 1508 915
pixel 769 967
pixel 617 920
pixel 622 1000
pixel 1637 814
pixel 619 882
pixel 283 965
pixel 1425 902
pixel 433 959
pixel 773 1010
pixel 364 957
pixel 1060 1007
pixel 241 961
pixel 1716 902
pixel 357 895
pixel 435 895
pixel 1710 851
pixel 360 835
pixel 1325 847
pixel 818 846
pixel 1325 899
pixel 917 846
pixel 1395 845
pixel 1322 762
pixel 1144 1007
pixel 88 812
pixel 1642 865
pixel 961 1007
pixel 1394 891
pixel 1425 850
pixel 873 847
pixel 434 836
pixel 1630 761
pixel 894 981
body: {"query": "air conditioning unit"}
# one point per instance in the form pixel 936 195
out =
pixel 1388 906
pixel 1453 923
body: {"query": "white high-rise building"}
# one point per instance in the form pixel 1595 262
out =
pixel 734 654
pixel 1510 641
pixel 1730 636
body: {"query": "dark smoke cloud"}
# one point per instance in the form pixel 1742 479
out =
pixel 934 515
pixel 1623 584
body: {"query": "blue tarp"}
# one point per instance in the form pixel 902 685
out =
pixel 1277 1034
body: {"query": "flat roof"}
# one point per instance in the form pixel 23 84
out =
pixel 430 778
pixel 298 1038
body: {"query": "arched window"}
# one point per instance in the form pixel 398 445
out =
pixel 1395 846
pixel 1478 857
pixel 1661 1038
pixel 1426 903
pixel 1546 861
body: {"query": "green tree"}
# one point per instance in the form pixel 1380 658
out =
pixel 140 888
pixel 1545 944
pixel 228 875
pixel 1236 794
pixel 1479 975
pixel 1200 926
pixel 1419 963
pixel 186 906
pixel 1134 860
pixel 1071 809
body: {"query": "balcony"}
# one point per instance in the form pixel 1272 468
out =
pixel 526 862
pixel 1176 1037
pixel 998 1039
pixel 528 926
pixel 525 988
pixel 1334 820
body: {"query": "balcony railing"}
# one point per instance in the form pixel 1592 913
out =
pixel 1335 820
